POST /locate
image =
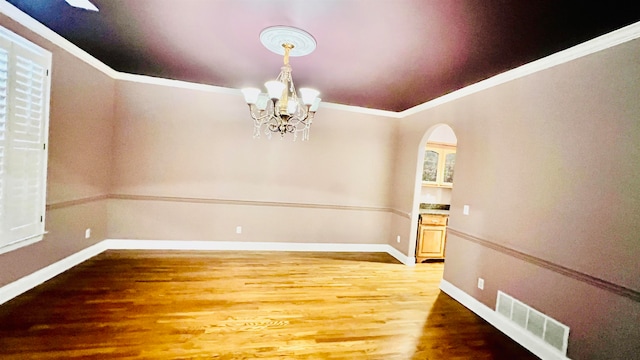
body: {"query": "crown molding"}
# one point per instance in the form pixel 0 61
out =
pixel 600 43
pixel 362 110
pixel 144 79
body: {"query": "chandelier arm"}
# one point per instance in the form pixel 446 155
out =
pixel 302 116
pixel 257 114
pixel 252 111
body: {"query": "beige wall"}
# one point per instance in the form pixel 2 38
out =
pixel 80 148
pixel 196 146
pixel 549 166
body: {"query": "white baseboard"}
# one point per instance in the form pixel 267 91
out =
pixel 407 260
pixel 34 279
pixel 30 281
pixel 521 336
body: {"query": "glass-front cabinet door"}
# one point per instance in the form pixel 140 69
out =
pixel 439 162
pixel 430 170
pixel 449 163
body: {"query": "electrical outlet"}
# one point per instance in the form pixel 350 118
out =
pixel 398 239
pixel 465 210
pixel 87 233
pixel 238 229
pixel 481 283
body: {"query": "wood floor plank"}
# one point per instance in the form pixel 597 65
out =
pixel 246 305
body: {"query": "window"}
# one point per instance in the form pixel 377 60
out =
pixel 24 118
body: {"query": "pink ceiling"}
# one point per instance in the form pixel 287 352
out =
pixel 383 54
pixel 370 53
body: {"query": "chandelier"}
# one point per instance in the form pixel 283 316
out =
pixel 280 109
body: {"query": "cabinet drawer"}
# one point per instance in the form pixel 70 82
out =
pixel 433 220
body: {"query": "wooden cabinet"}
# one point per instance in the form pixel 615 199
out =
pixel 439 161
pixel 432 235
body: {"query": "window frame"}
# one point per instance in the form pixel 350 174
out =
pixel 17 46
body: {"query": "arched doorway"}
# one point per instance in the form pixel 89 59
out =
pixel 433 192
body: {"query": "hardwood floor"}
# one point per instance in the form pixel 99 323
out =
pixel 246 305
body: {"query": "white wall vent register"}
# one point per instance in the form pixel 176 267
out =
pixel 540 325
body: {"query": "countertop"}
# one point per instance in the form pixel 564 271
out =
pixel 433 212
pixel 434 209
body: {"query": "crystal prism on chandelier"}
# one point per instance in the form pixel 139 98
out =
pixel 280 109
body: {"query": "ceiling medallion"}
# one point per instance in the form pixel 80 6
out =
pixel 280 109
pixel 82 4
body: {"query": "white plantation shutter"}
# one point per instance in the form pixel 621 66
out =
pixel 24 107
pixel 4 69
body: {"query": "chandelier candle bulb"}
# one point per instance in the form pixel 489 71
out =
pixel 251 95
pixel 314 106
pixel 274 88
pixel 309 95
pixel 292 107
